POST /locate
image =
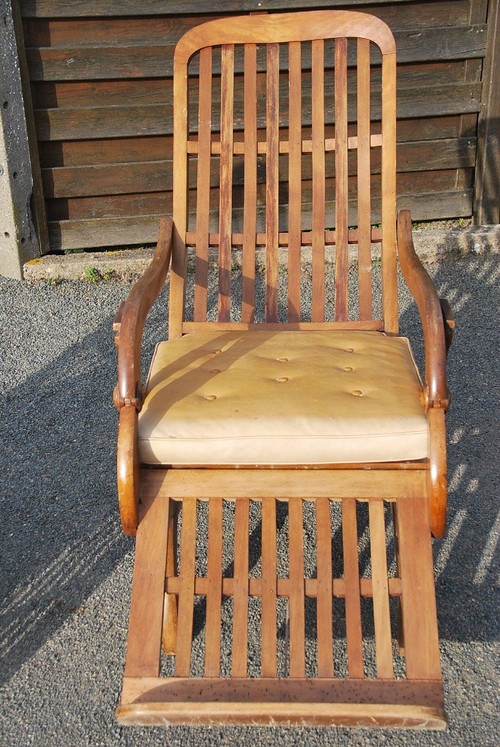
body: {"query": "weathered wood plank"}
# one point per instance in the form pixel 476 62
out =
pixel 341 180
pixel 297 589
pixel 272 182
pixel 82 94
pixel 324 588
pixel 158 148
pixel 294 180
pixel 61 8
pixel 156 176
pixel 146 611
pixel 186 593
pixel 364 186
pixel 97 63
pixel 214 589
pixel 240 589
pixel 53 27
pixel 226 177
pixel 268 598
pixel 318 184
pixel 203 185
pixel 250 184
pixel 418 599
pixel 102 122
pixel 129 230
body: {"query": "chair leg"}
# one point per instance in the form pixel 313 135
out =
pixel 169 630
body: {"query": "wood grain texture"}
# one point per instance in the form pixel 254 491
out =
pixel 324 608
pixel 250 185
pixel 418 599
pixel 388 483
pixel 268 596
pixel 352 590
pixel 226 176
pixel 214 589
pixel 240 589
pixel 294 182
pixel 318 185
pixel 364 191
pixel 297 589
pixel 186 592
pixel 146 607
pixel 272 183
pixel 341 176
pixel 382 621
pixel 203 184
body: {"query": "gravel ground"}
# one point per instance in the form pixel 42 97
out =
pixel 66 567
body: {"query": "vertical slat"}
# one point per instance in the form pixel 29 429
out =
pixel 418 595
pixel 203 184
pixel 352 589
pixel 380 585
pixel 364 186
pixel 268 598
pixel 180 185
pixel 294 180
pixel 324 588
pixel 186 594
pixel 146 610
pixel 389 280
pixel 226 181
pixel 169 635
pixel 240 592
pixel 318 167
pixel 296 570
pixel 341 180
pixel 214 589
pixel 272 182
pixel 250 183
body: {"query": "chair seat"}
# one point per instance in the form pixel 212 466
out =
pixel 288 397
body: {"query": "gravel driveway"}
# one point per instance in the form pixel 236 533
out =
pixel 66 568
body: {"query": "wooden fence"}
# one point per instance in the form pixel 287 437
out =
pixel 101 83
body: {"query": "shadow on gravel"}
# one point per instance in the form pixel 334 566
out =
pixel 466 559
pixel 60 517
pixel 62 529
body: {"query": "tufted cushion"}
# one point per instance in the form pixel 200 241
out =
pixel 261 397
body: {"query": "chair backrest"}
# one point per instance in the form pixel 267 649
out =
pixel 273 117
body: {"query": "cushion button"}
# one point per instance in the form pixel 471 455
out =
pixel 348 368
pixel 349 350
pixel 283 360
pixel 282 378
pixel 217 350
pixel 211 397
pixel 357 393
pixel 215 370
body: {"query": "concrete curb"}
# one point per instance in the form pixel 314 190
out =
pixel 431 245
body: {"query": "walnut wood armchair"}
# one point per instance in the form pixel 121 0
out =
pixel 259 403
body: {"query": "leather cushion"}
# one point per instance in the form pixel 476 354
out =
pixel 287 397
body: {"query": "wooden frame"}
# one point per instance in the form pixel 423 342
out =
pixel 151 498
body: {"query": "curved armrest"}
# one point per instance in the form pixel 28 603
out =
pixel 431 312
pixel 129 321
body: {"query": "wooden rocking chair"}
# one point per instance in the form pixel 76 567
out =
pixel 263 419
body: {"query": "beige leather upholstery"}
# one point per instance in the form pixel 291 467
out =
pixel 282 398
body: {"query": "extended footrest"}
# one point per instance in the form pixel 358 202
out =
pixel 283 612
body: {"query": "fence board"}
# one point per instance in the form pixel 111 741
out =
pixel 80 63
pixel 114 121
pixel 133 229
pixel 102 92
pixel 88 8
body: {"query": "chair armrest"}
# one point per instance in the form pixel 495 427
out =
pixel 433 313
pixel 129 321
